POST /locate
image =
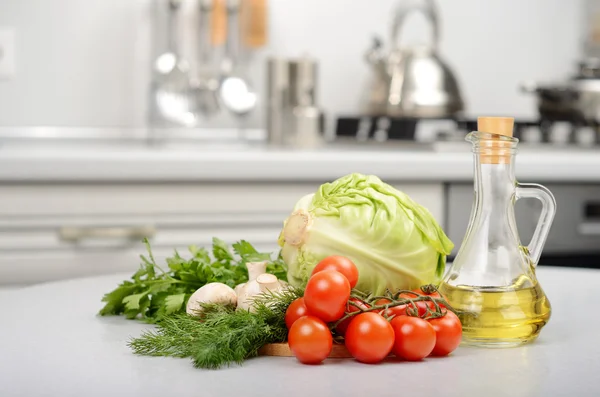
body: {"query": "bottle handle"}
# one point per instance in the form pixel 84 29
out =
pixel 532 190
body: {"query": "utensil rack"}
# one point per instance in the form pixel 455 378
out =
pixel 194 36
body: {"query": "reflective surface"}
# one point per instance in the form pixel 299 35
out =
pixel 76 353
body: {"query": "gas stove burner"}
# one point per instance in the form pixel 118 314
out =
pixel 535 131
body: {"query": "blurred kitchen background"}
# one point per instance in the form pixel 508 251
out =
pixel 183 120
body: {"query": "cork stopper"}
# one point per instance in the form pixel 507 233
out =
pixel 494 150
pixel 496 125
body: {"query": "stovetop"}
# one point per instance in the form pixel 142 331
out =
pixel 540 132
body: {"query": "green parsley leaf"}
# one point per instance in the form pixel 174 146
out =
pixel 173 303
pixel 153 293
pixel 132 302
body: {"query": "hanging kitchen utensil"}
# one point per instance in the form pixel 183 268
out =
pixel 171 85
pixel 218 23
pixel 236 91
pixel 205 81
pixel 253 22
pixel 421 84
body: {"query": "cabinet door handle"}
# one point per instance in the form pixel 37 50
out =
pixel 75 234
pixel 589 228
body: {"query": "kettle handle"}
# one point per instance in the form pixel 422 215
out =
pixel 532 190
pixel 428 8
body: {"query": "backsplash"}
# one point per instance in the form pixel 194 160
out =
pixel 86 62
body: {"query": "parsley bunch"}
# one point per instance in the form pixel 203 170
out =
pixel 153 293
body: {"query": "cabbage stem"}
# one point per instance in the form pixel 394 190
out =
pixel 296 227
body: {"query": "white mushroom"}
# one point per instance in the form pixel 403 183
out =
pixel 268 282
pixel 263 283
pixel 255 269
pixel 218 293
pixel 245 294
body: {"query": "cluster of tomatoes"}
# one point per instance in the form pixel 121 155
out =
pixel 370 336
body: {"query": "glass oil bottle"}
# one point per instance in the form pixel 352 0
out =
pixel 492 281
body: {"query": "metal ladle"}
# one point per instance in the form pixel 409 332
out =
pixel 172 93
pixel 205 82
pixel 237 94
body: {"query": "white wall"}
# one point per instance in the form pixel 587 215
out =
pixel 85 62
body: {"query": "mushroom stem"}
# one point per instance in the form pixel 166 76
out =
pixel 255 269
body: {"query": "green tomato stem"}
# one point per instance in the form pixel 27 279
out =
pixel 396 300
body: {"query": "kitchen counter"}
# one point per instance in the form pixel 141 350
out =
pixel 52 344
pixel 127 161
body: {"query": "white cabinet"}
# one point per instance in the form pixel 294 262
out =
pixel 58 231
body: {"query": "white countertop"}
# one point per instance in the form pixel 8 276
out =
pixel 52 344
pixel 234 162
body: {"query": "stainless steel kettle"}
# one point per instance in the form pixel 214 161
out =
pixel 412 82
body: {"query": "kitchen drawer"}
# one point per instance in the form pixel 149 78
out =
pixel 145 198
pixel 26 268
pixel 34 200
pixel 39 256
pixel 51 232
pixel 576 226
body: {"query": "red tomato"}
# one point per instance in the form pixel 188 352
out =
pixel 342 265
pixel 401 310
pixel 369 338
pixel 294 311
pixel 310 340
pixel 430 304
pixel 343 326
pixel 396 310
pixel 421 306
pixel 326 295
pixel 414 338
pixel 448 330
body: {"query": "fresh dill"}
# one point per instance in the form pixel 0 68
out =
pixel 221 335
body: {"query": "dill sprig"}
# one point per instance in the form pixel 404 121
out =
pixel 221 335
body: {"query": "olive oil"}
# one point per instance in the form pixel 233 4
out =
pixel 499 316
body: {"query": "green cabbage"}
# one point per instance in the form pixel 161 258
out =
pixel 395 242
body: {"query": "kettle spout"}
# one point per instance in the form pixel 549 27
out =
pixel 374 55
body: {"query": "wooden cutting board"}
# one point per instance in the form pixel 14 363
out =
pixel 283 350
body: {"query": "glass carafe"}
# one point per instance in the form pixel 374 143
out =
pixel 492 280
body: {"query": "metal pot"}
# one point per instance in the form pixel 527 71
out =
pixel 413 82
pixel 576 100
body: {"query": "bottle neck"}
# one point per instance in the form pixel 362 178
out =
pixel 494 182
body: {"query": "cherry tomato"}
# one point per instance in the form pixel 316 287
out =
pixel 419 291
pixel 342 265
pixel 414 338
pixel 294 311
pixel 401 310
pixel 343 326
pixel 326 295
pixel 310 340
pixel 369 338
pixel 396 310
pixel 434 294
pixel 448 331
